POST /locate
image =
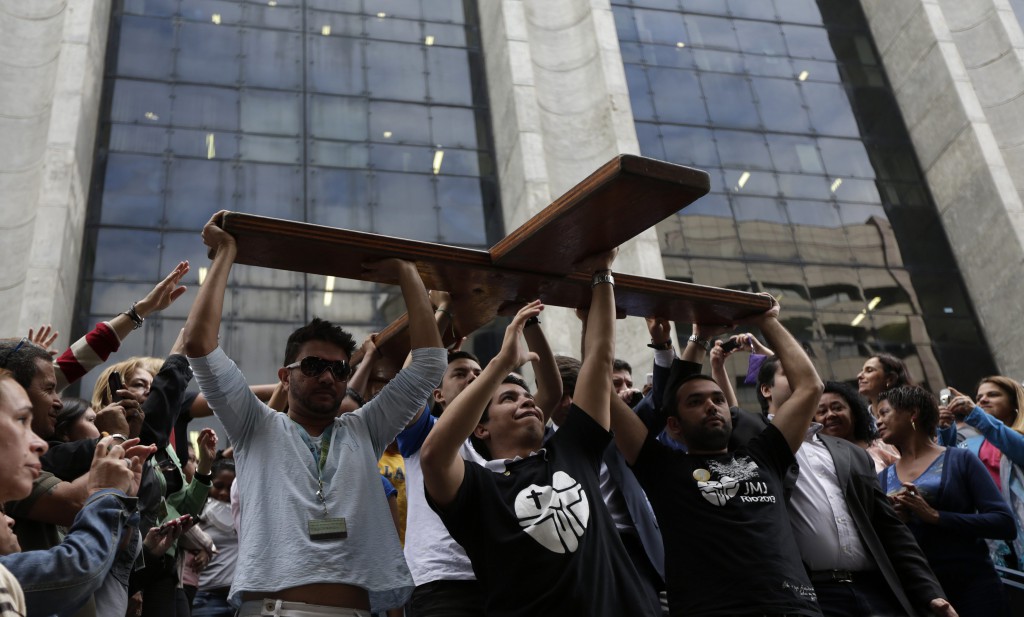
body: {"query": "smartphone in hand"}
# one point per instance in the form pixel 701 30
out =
pixel 115 383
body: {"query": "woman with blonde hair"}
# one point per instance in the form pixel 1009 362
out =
pixel 1000 446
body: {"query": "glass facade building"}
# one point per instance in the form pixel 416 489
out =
pixel 816 194
pixel 373 115
pixel 363 114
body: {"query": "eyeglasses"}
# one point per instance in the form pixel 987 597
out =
pixel 3 363
pixel 312 366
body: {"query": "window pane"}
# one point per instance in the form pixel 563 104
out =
pixel 140 101
pixel 795 154
pixel 758 37
pixel 205 107
pixel 334 117
pixel 405 207
pixel 400 123
pixel 335 64
pixel 805 42
pixel 271 149
pixel 127 255
pixel 743 149
pixel 339 198
pixel 449 75
pixel 780 105
pixel 142 139
pixel 204 144
pixel 677 96
pixel 198 189
pixel 830 109
pixel 711 32
pixel 729 100
pixel 145 49
pixel 659 27
pixel 395 71
pixel 389 29
pixel 264 111
pixel 133 190
pixel 272 59
pixel 454 126
pixel 208 54
pixel 689 145
pixel 462 212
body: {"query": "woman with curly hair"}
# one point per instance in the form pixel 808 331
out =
pixel 843 413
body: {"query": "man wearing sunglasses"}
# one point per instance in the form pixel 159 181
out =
pixel 315 529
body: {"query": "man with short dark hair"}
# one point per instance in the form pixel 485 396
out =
pixel 446 585
pixel 534 511
pixel 32 368
pixel 720 511
pixel 322 534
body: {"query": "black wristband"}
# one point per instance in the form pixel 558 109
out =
pixel 355 396
pixel 662 346
pixel 205 478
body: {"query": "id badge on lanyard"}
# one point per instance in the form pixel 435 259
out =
pixel 325 527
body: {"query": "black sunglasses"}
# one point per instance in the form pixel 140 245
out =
pixel 312 366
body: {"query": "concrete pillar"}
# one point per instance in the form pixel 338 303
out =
pixel 560 109
pixel 957 71
pixel 50 84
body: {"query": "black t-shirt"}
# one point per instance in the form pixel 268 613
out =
pixel 729 549
pixel 539 536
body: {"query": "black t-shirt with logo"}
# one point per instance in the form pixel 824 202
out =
pixel 539 536
pixel 729 549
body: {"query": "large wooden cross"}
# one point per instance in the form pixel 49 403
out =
pixel 620 200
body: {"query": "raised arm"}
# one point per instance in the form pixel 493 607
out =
pixel 629 430
pixel 443 468
pixel 1009 441
pixel 356 394
pixel 96 346
pixel 549 381
pixel 794 415
pixel 721 376
pixel 203 323
pixel 595 376
pixel 422 327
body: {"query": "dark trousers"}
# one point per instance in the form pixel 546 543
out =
pixel 447 599
pixel 867 595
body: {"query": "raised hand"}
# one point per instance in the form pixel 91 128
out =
pixel 215 237
pixel 513 351
pixel 207 452
pixel 44 337
pixel 959 403
pixel 165 292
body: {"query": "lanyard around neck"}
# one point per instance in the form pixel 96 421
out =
pixel 319 461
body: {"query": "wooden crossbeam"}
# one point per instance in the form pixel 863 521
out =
pixel 620 200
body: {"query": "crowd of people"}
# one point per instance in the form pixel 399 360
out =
pixel 459 489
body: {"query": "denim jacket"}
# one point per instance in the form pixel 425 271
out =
pixel 60 580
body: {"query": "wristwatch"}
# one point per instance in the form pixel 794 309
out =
pixel 703 342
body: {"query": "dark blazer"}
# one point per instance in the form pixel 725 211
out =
pixel 886 538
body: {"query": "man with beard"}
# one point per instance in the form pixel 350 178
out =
pixel 316 533
pixel 729 548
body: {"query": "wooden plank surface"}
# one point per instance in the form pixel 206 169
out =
pixel 481 289
pixel 626 196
